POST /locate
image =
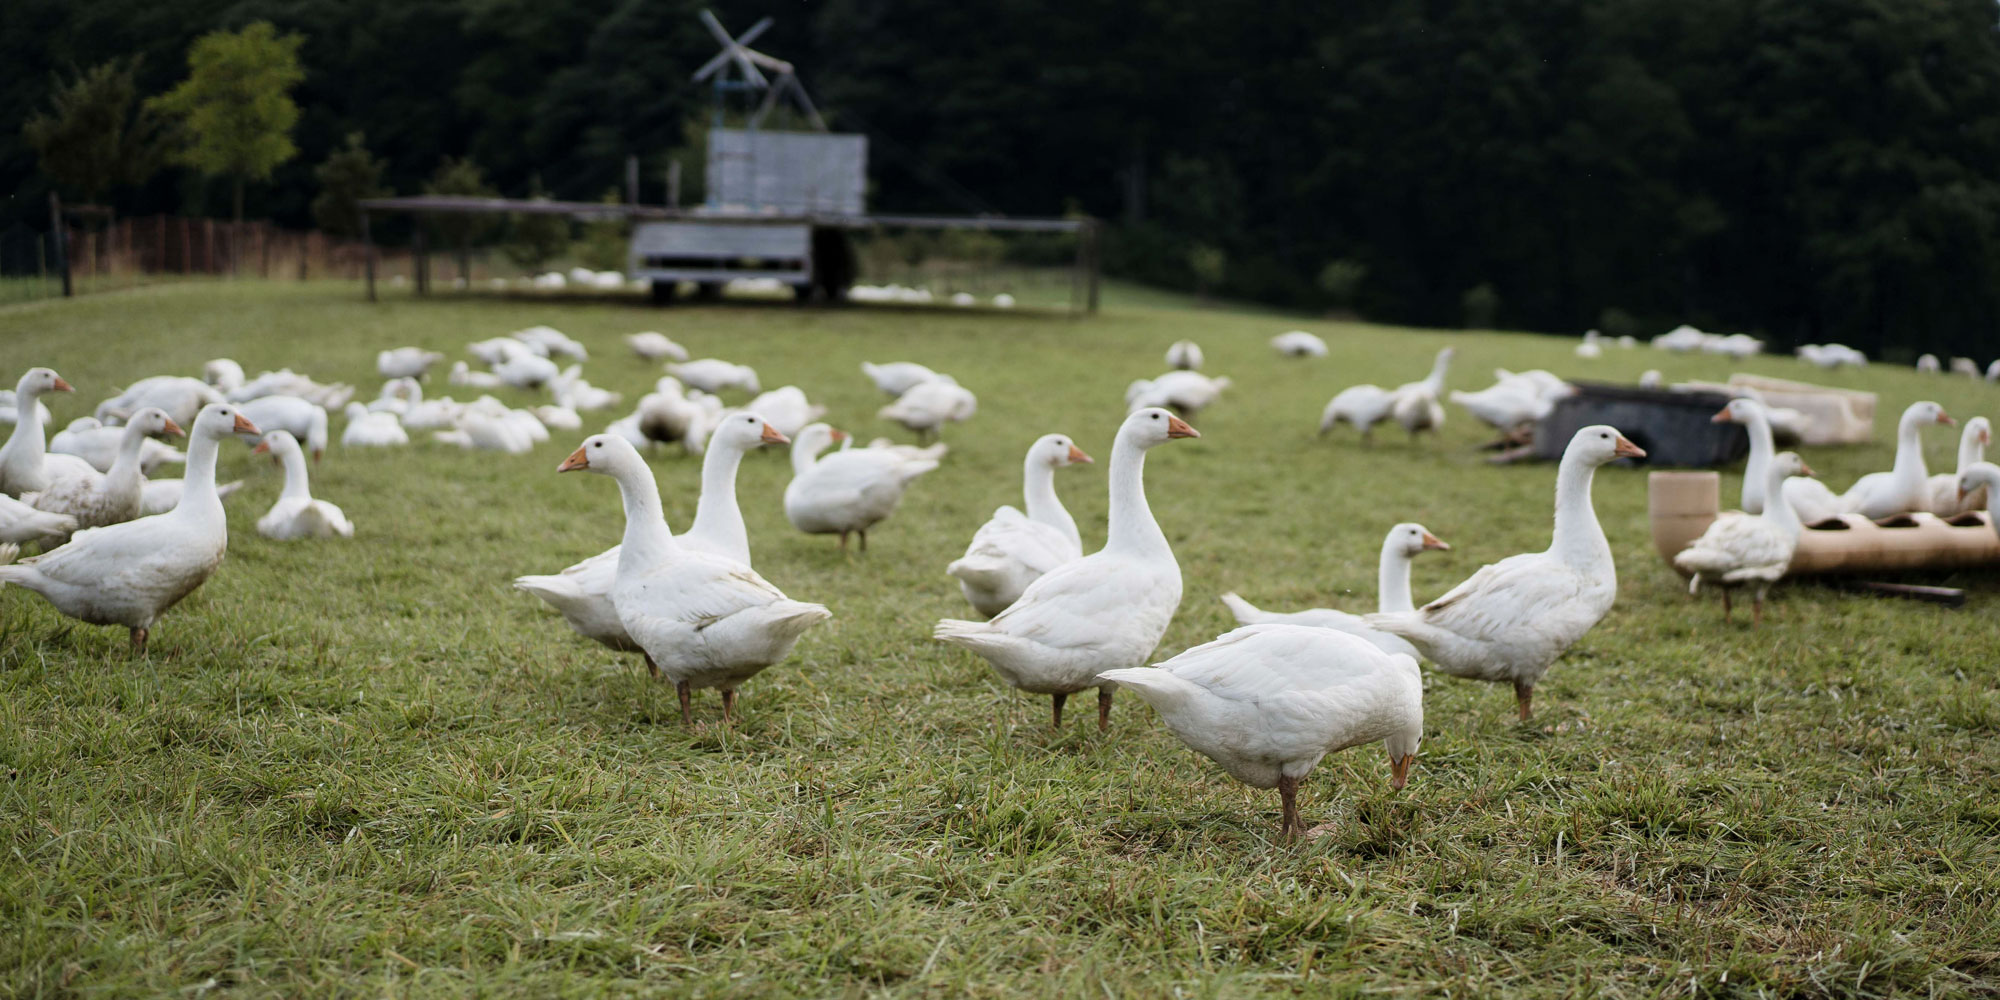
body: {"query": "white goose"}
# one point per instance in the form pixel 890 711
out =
pixel 98 498
pixel 22 523
pixel 1417 410
pixel 1512 400
pixel 9 416
pixel 405 362
pixel 714 375
pixel 129 574
pixel 1268 701
pixel 786 408
pixel 704 621
pixel 224 374
pixel 582 593
pixel 1983 477
pixel 553 341
pixel 462 374
pixel 669 415
pixel 1184 355
pixel 1756 472
pixel 1187 393
pixel 304 419
pixel 1298 344
pixel 181 397
pixel 379 429
pixel 1511 619
pixel 928 406
pixel 89 439
pixel 1739 549
pixel 1906 487
pixel 494 350
pixel 1366 405
pixel 1945 500
pixel 897 377
pixel 24 459
pixel 1013 550
pixel 1392 593
pixel 524 369
pixel 296 514
pixel 850 490
pixel 655 346
pixel 1102 612
pixel 285 382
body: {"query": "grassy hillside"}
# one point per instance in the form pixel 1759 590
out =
pixel 366 767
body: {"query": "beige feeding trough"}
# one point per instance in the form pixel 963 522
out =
pixel 1683 504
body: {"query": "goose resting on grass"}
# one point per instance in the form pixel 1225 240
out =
pixel 1392 587
pixel 1267 702
pixel 1512 619
pixel 1184 355
pixel 703 620
pixel 897 377
pixel 1102 612
pixel 1013 550
pixel 1366 405
pixel 296 514
pixel 655 346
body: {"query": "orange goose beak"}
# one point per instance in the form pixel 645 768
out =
pixel 1433 543
pixel 246 427
pixel 1076 455
pixel 771 436
pixel 1627 449
pixel 1399 771
pixel 62 386
pixel 173 429
pixel 1178 428
pixel 576 460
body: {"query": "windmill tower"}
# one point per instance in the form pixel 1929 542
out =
pixel 758 171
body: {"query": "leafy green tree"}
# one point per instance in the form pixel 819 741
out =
pixel 535 238
pixel 461 176
pixel 605 242
pixel 1341 280
pixel 94 136
pixel 348 176
pixel 1482 306
pixel 1208 264
pixel 235 107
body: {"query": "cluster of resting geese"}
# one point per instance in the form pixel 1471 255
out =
pixel 1266 701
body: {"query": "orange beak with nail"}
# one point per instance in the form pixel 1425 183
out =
pixel 62 386
pixel 1720 418
pixel 1399 771
pixel 576 460
pixel 173 429
pixel 1076 454
pixel 1178 428
pixel 1626 449
pixel 1945 419
pixel 246 427
pixel 1433 543
pixel 771 436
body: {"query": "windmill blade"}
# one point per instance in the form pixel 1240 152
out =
pixel 732 51
pixel 762 25
pixel 708 68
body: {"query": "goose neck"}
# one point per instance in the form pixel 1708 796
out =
pixel 125 467
pixel 1970 451
pixel 1910 449
pixel 1777 509
pixel 1579 538
pixel 716 513
pixel 1392 579
pixel 1132 526
pixel 647 539
pixel 198 498
pixel 1038 490
pixel 297 486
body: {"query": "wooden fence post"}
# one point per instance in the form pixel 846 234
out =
pixel 368 254
pixel 57 239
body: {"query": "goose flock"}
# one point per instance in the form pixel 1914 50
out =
pixel 1266 701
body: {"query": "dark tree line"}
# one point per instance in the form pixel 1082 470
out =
pixel 1807 170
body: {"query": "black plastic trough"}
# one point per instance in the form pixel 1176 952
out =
pixel 1675 428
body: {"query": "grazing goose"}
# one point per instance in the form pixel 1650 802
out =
pixel 302 418
pixel 1102 612
pixel 850 490
pixel 1184 355
pixel 1392 593
pixel 524 369
pixel 1928 365
pixel 24 459
pixel 372 430
pixel 1945 500
pixel 713 375
pixel 98 498
pixel 462 374
pixel 285 382
pixel 1982 477
pixel 703 620
pixel 582 593
pixel 296 514
pixel 1013 550
pixel 654 346
pixel 1512 400
pixel 1298 344
pixel 552 341
pixel 572 390
pixel 786 408
pixel 494 350
pixel 1268 701
pixel 1417 410
pixel 182 398
pixel 21 523
pixel 897 377
pixel 928 406
pixel 129 574
pixel 398 396
pixel 1740 549
pixel 558 418
pixel 224 374
pixel 1511 619
pixel 89 439
pixel 432 414
pixel 1906 487
pixel 405 362
pixel 1186 393
pixel 668 415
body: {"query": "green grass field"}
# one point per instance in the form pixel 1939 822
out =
pixel 368 767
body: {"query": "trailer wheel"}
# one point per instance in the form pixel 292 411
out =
pixel 662 292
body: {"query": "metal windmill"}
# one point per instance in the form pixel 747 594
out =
pixel 754 71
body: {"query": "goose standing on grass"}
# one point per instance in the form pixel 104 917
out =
pixel 1982 478
pixel 405 362
pixel 1906 487
pixel 91 440
pixel 24 458
pixel 1404 542
pixel 22 523
pixel 129 574
pixel 1298 344
pixel 1928 364
pixel 582 593
pixel 1102 612
pixel 928 406
pixel 786 408
pixel 224 374
pixel 1509 621
pixel 1945 500
pixel 379 429
pixel 1514 399
pixel 1267 702
pixel 1184 355
pixel 897 377
pixel 296 514
pixel 1740 549
pixel 1013 550
pixel 462 374
pixel 851 490
pixel 703 620
pixel 97 498
pixel 713 375
pixel 654 346
pixel 303 419
pixel 1417 410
